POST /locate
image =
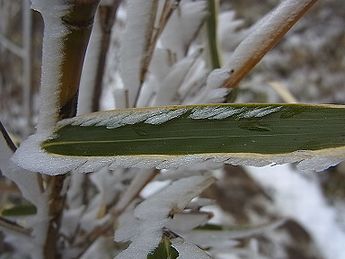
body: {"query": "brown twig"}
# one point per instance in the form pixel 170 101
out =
pixel 264 37
pixel 167 10
pixel 14 227
pixel 132 192
pixel 107 16
pixel 78 21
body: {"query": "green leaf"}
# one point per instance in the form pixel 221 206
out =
pixel 164 251
pixel 19 210
pixel 189 136
pixel 287 129
pixel 214 227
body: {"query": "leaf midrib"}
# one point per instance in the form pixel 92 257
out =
pixel 169 138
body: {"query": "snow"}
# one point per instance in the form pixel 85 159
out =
pixel 28 184
pixel 164 117
pixel 89 72
pixel 220 113
pixel 168 88
pixel 185 222
pixel 159 115
pixel 301 199
pixel 188 250
pixel 217 78
pixel 182 26
pixel 221 240
pixel 136 39
pixel 260 112
pixel 30 150
pixel 261 36
pixel 144 227
pixel 54 31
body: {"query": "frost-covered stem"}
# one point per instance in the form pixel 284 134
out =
pixel 168 8
pixel 107 16
pixel 264 36
pixel 141 16
pixel 211 24
pixel 67 30
pixel 11 226
pixel 27 64
pixel 56 205
pixel 133 190
pixel 93 72
pixel 148 50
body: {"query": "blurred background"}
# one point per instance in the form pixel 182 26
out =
pixel 307 66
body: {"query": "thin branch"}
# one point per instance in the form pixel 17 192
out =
pixel 264 36
pixel 107 16
pixel 14 227
pixel 168 8
pixel 27 66
pixel 211 24
pixel 9 45
pixel 283 92
pixel 133 190
pixel 56 204
pixel 10 144
pixel 8 188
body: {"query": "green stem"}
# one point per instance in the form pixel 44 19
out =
pixel 212 34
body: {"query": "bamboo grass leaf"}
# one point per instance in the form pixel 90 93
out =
pixel 164 250
pixel 202 135
pixel 19 210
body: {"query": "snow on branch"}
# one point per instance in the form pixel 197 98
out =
pixel 263 36
pixel 135 44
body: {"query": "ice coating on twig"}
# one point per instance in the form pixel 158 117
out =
pixel 183 25
pixel 89 72
pixel 168 88
pixel 52 58
pixel 264 35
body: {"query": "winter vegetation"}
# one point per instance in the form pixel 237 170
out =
pixel 199 154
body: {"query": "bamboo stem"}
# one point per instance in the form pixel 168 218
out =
pixel 77 24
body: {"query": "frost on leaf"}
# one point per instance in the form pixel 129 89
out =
pixel 145 227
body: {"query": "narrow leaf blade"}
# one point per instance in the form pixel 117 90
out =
pixel 198 135
pixel 263 129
